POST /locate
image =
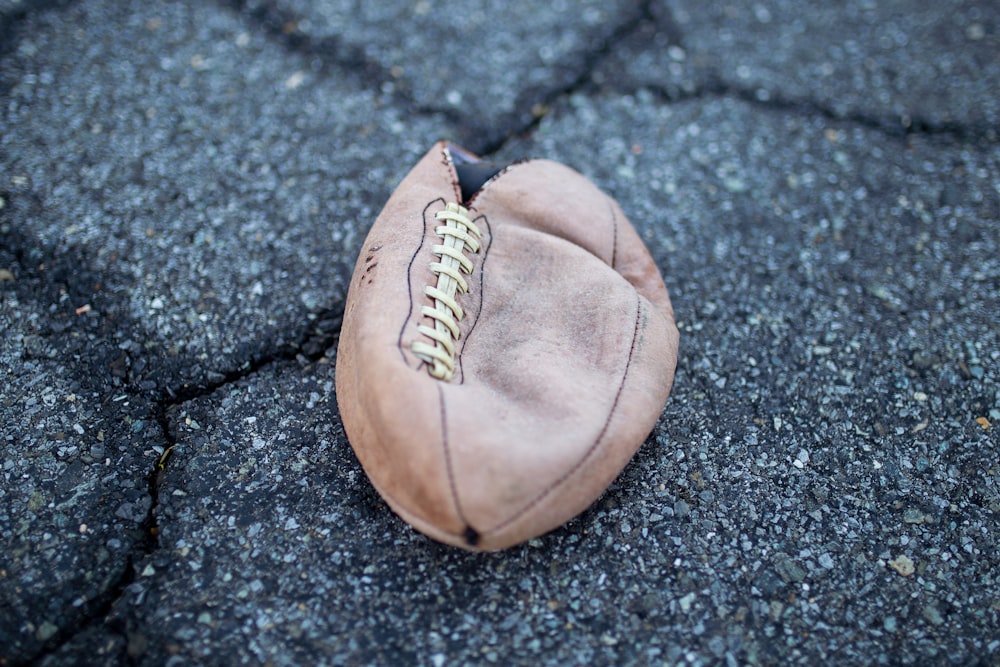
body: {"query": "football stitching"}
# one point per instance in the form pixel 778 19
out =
pixel 459 234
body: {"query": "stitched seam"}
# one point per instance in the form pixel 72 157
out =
pixel 494 178
pixel 458 235
pixel 447 458
pixel 597 442
pixel 409 282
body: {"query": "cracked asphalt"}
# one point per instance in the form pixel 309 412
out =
pixel 185 187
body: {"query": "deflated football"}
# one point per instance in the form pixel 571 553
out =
pixel 507 345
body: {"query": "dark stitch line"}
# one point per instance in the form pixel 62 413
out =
pixel 447 459
pixel 482 267
pixel 614 231
pixel 409 282
pixel 593 448
pixel 495 177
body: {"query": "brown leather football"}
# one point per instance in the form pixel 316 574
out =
pixel 507 346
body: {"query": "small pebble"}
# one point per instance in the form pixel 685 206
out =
pixel 932 614
pixel 903 565
pixel 46 631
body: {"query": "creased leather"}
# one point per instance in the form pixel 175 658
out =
pixel 565 359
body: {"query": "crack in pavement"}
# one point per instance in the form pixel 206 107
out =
pixel 312 345
pixel 904 127
pixel 531 105
pixel 541 105
pixel 711 83
pixel 10 23
pixel 283 25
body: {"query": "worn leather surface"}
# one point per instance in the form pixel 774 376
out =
pixel 565 359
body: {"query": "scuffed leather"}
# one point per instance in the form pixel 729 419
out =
pixel 566 355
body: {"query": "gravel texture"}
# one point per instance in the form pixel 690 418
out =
pixel 908 64
pixel 184 187
pixel 74 454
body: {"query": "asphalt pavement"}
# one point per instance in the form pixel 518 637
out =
pixel 184 188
